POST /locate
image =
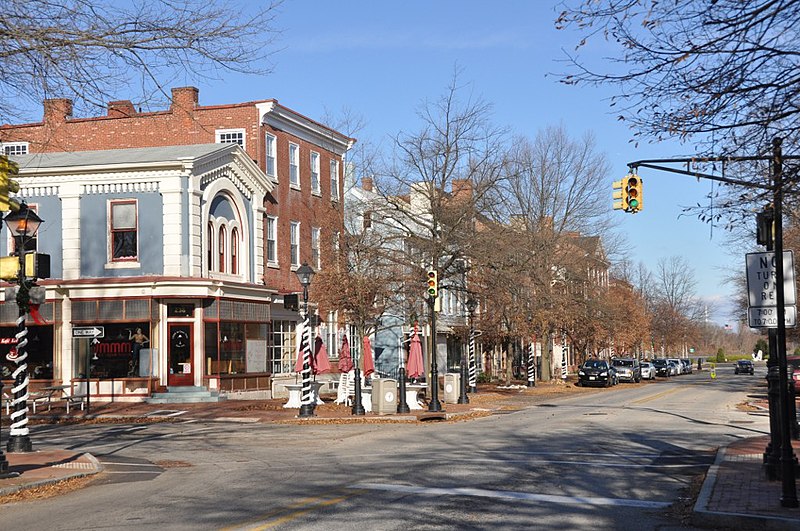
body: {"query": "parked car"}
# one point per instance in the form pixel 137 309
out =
pixel 744 367
pixel 648 371
pixel 597 372
pixel 628 369
pixel 662 367
pixel 674 369
pixel 678 364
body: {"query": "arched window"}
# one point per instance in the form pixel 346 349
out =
pixel 221 244
pixel 210 246
pixel 234 251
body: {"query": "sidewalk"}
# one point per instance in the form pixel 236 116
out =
pixel 734 494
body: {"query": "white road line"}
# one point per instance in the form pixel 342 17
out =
pixel 131 472
pixel 128 464
pixel 511 495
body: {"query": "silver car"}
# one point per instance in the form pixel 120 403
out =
pixel 648 371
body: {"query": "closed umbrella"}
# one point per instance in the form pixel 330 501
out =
pixel 321 363
pixel 369 364
pixel 415 367
pixel 345 361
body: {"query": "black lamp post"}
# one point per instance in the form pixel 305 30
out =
pixel 434 405
pixel 358 405
pixel 23 225
pixel 402 404
pixel 472 304
pixel 462 397
pixel 304 275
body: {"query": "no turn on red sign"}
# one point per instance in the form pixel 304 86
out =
pixel 763 290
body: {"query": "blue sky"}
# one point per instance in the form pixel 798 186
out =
pixel 382 59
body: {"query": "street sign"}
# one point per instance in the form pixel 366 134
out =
pixel 767 317
pixel 88 331
pixel 761 287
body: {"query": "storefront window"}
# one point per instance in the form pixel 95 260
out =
pixel 39 350
pixel 112 356
pixel 231 348
pixel 283 348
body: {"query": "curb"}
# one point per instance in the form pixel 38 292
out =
pixel 703 517
pixel 98 467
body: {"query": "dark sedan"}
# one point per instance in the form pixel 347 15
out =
pixel 744 367
pixel 597 372
pixel 662 367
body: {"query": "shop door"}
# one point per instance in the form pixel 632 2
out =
pixel 181 370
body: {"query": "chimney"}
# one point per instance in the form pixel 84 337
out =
pixel 462 188
pixel 366 183
pixel 184 98
pixel 120 109
pixel 57 110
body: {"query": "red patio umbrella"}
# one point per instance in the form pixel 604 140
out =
pixel 321 363
pixel 345 361
pixel 415 367
pixel 369 364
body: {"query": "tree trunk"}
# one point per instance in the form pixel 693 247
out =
pixel 547 357
pixel 509 357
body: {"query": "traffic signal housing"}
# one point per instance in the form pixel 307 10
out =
pixel 433 283
pixel 633 193
pixel 620 199
pixel 8 168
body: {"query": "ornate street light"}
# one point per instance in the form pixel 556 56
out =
pixel 304 275
pixel 23 225
pixel 472 304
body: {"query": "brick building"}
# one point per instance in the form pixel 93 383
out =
pixel 232 237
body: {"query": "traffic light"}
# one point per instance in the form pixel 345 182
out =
pixel 620 200
pixel 433 283
pixel 633 193
pixel 8 168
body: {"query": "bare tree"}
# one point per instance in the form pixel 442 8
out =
pixel 86 49
pixel 722 73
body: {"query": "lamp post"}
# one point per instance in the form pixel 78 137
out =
pixel 472 304
pixel 434 405
pixel 304 275
pixel 402 404
pixel 23 225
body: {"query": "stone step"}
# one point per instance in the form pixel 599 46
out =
pixel 178 395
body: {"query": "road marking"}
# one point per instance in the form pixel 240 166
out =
pixel 660 395
pixel 511 495
pixel 128 464
pixel 300 508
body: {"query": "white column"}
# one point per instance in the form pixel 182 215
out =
pixel 70 230
pixel 172 194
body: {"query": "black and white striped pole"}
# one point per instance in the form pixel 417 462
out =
pixel 307 399
pixel 472 304
pixel 532 364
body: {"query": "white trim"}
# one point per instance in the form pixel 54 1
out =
pixel 316 190
pixel 24 148
pixel 297 125
pixel 296 160
pixel 272 263
pixel 271 140
pixel 293 224
pixel 239 131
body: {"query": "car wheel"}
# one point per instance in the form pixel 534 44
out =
pixel 578 383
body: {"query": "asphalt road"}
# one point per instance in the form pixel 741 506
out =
pixel 618 458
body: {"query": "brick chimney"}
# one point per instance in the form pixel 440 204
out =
pixel 462 189
pixel 366 183
pixel 57 110
pixel 121 109
pixel 184 98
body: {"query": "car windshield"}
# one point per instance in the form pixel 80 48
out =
pixel 660 363
pixel 595 364
pixel 744 362
pixel 622 363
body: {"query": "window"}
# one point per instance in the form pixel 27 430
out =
pixel 315 172
pixel 281 355
pixel 272 240
pixel 294 165
pixel 271 151
pixel 124 223
pixel 210 246
pixel 221 249
pixel 335 180
pixel 234 251
pixel 294 242
pixel 230 136
pixel 315 234
pixel 14 148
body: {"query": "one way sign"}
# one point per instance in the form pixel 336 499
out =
pixel 88 331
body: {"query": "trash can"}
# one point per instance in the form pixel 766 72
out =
pixel 452 381
pixel 384 396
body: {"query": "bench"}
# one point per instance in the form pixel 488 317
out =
pixel 75 400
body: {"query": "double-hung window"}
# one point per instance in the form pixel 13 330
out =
pixel 315 257
pixel 294 165
pixel 12 149
pixel 335 180
pixel 294 242
pixel 124 231
pixel 272 240
pixel 270 155
pixel 315 172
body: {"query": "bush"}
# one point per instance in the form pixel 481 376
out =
pixel 720 355
pixel 483 378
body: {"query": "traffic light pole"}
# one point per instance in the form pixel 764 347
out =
pixel 787 460
pixel 434 405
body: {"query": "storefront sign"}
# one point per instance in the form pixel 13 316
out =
pixel 180 310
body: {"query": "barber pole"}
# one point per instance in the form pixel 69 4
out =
pixel 532 364
pixel 306 398
pixel 473 368
pixel 563 356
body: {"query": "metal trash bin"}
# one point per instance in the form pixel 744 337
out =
pixel 384 396
pixel 452 388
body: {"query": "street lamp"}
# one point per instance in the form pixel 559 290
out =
pixel 472 304
pixel 23 225
pixel 304 275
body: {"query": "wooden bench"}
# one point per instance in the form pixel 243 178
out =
pixel 75 400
